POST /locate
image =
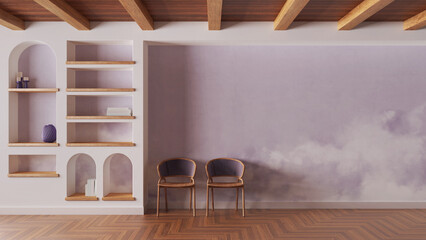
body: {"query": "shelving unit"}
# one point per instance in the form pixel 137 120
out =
pixel 40 166
pixel 34 90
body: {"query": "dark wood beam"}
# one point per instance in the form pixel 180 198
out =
pixel 288 13
pixel 416 22
pixel 214 14
pixel 10 21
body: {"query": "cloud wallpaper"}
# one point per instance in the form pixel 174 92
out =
pixel 311 123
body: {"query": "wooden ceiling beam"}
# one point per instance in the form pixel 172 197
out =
pixel 361 13
pixel 214 14
pixel 288 13
pixel 139 13
pixel 10 21
pixel 65 12
pixel 416 22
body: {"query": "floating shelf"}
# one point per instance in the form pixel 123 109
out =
pixel 119 197
pixel 101 62
pixel 101 89
pixel 33 174
pixel 81 197
pixel 33 144
pixel 99 117
pixel 101 144
pixel 34 90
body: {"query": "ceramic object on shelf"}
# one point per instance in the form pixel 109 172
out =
pixel 49 133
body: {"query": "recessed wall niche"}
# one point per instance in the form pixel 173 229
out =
pixel 80 168
pixel 30 109
pixel 32 166
pixel 118 178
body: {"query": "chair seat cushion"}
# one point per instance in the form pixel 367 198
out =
pixel 176 184
pixel 225 185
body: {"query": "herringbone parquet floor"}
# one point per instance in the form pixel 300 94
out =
pixel 224 224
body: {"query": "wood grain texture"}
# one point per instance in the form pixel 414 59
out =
pixel 101 89
pixel 81 197
pixel 33 174
pixel 10 21
pixel 288 13
pixel 196 10
pixel 416 22
pixel 65 12
pixel 33 144
pixel 361 13
pixel 100 62
pixel 224 225
pixel 119 197
pixel 214 14
pixel 139 13
pixel 101 144
pixel 100 117
pixel 34 90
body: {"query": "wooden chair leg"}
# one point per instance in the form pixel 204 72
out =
pixel 244 201
pixel 207 202
pixel 193 202
pixel 212 199
pixel 190 199
pixel 158 201
pixel 165 196
pixel 236 202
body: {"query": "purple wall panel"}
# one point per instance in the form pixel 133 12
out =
pixel 312 123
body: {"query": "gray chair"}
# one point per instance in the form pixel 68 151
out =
pixel 225 167
pixel 172 168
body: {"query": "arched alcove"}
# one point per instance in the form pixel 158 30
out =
pixel 80 168
pixel 30 109
pixel 118 178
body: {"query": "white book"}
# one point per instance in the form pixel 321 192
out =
pixel 90 191
pixel 119 111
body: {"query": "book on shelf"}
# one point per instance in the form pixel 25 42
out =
pixel 112 111
pixel 90 188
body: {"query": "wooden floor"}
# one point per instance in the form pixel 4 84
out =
pixel 224 224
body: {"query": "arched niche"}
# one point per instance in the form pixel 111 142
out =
pixel 80 168
pixel 30 112
pixel 118 178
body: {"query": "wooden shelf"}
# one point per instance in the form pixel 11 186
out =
pixel 101 89
pixel 101 62
pixel 119 197
pixel 101 144
pixel 99 117
pixel 34 90
pixel 33 174
pixel 33 144
pixel 81 197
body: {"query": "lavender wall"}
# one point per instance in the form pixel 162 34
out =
pixel 312 123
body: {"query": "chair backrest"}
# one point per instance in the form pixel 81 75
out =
pixel 182 167
pixel 225 167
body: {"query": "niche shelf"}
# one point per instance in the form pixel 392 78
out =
pixel 33 144
pixel 29 113
pixel 30 166
pixel 100 62
pixel 100 134
pixel 105 52
pixel 89 107
pixel 118 178
pixel 80 168
pixel 101 89
pixel 34 90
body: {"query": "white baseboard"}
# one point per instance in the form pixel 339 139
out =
pixel 298 205
pixel 14 210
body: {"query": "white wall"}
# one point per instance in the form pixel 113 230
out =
pixel 46 196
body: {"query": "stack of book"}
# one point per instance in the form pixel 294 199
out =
pixel 119 111
pixel 90 188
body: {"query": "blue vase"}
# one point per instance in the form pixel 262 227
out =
pixel 49 133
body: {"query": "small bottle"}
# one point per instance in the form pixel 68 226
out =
pixel 18 82
pixel 26 82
